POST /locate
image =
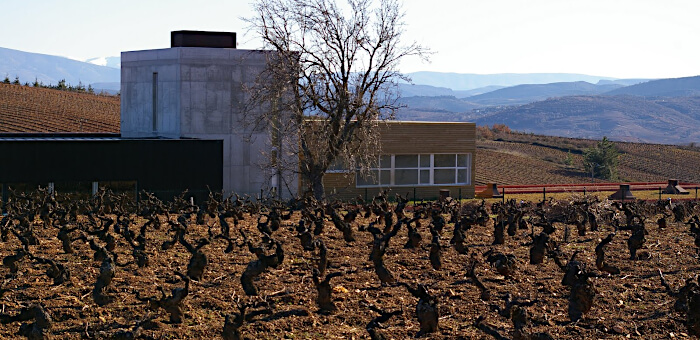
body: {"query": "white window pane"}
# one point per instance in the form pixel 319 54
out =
pixel 370 179
pixel 443 161
pixel 462 176
pixel 462 161
pixel 425 176
pixel 385 162
pixel 385 177
pixel 406 161
pixel 444 176
pixel 424 161
pixel 405 177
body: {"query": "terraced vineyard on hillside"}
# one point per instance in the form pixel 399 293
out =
pixel 29 109
pixel 524 159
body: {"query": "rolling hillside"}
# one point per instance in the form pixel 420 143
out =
pixel 518 159
pixel 672 120
pixel 523 94
pixel 674 87
pixel 506 159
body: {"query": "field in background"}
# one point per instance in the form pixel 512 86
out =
pixel 29 109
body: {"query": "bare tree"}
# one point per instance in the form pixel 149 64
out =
pixel 330 80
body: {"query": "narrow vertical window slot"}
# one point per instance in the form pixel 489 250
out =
pixel 155 101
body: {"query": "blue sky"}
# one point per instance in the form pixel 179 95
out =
pixel 615 38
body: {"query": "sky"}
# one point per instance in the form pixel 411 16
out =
pixel 611 38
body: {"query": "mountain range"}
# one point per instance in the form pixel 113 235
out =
pixel 570 105
pixel 49 69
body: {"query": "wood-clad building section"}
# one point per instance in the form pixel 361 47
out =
pixel 418 158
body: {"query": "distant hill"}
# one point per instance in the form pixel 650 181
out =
pixel 412 90
pixel 30 109
pixel 466 81
pixel 623 82
pixel 50 69
pixel 523 94
pixel 674 87
pixel 431 108
pixel 622 118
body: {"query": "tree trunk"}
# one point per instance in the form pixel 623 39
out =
pixel 316 182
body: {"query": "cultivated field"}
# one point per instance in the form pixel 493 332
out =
pixel 170 271
pixel 523 159
pixel 29 109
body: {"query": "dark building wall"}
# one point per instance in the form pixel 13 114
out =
pixel 156 165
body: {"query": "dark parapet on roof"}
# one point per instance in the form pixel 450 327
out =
pixel 203 39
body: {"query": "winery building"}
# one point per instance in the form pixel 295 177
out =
pixel 419 159
pixel 182 127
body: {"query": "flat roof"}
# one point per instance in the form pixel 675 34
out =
pixel 53 136
pixel 65 137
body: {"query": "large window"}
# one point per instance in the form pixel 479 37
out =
pixel 419 170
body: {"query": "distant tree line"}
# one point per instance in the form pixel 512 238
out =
pixel 62 85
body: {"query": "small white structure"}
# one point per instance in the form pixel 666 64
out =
pixel 199 92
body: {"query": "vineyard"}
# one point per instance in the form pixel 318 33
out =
pixel 237 268
pixel 29 109
pixel 539 160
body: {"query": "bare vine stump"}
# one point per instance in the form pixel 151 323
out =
pixel 435 252
pixel 384 316
pixel 426 309
pixel 580 300
pixel 233 324
pixel 636 241
pixel 600 256
pixel 105 277
pixel 37 330
pixel 324 299
pixel 540 247
pixel 11 261
pixel 504 264
pixel 414 237
pixel 498 231
pixel 693 317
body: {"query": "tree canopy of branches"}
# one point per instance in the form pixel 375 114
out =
pixel 601 161
pixel 330 79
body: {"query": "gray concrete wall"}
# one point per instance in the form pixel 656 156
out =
pixel 201 94
pixel 137 94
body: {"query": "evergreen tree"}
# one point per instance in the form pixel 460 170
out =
pixel 6 80
pixel 16 82
pixel 601 161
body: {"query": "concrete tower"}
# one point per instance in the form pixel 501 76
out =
pixel 196 89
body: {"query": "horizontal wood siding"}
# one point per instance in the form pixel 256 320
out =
pixel 413 138
pixel 427 137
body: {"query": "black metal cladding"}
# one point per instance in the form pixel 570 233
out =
pixel 157 165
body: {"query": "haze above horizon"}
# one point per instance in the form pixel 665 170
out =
pixel 621 39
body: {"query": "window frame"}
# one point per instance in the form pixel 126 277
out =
pixel 392 178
